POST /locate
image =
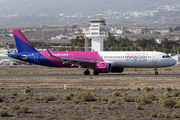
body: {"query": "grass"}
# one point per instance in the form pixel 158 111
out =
pixel 142 99
pixel 86 96
pixel 138 89
pixel 169 103
pixel 14 107
pixel 153 114
pixel 168 89
pixel 111 100
pixel 24 109
pixel 66 97
pixel 3 113
pixel 20 99
pixel 176 94
pixel 167 95
pixel 151 96
pixel 48 97
pixel 147 89
pixel 138 107
pixel 71 94
pixel 76 101
pixel 13 93
pixel 27 90
pixel 116 94
pixel 126 98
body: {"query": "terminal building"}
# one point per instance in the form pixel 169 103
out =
pixel 97 32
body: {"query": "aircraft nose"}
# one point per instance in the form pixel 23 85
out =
pixel 173 62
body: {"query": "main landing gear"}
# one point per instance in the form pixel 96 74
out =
pixel 86 72
pixel 95 73
pixel 156 73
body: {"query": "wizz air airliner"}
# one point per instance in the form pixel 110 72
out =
pixel 100 62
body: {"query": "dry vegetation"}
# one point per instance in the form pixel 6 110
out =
pixel 88 98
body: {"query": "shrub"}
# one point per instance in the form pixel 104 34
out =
pixel 108 107
pixel 66 97
pixel 30 93
pixel 167 95
pixel 3 113
pixel 138 89
pixel 176 94
pixel 76 101
pixel 125 94
pixel 160 115
pixel 104 99
pixel 151 96
pixel 142 99
pixel 147 89
pixel 13 93
pixel 2 98
pixel 98 112
pixel 168 89
pixel 14 107
pixel 71 94
pixel 178 104
pixel 24 109
pixel 27 90
pixel 20 99
pixel 178 98
pixel 48 97
pixel 116 93
pixel 169 103
pixel 138 107
pixel 85 96
pixel 112 100
pixel 153 114
pixel 127 98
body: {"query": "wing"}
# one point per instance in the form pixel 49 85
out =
pixel 82 63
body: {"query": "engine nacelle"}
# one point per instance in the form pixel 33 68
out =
pixel 102 68
pixel 117 69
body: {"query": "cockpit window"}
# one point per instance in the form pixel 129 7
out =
pixel 166 56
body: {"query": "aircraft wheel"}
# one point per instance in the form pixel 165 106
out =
pixel 95 73
pixel 156 73
pixel 86 72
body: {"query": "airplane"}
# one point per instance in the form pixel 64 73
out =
pixel 99 61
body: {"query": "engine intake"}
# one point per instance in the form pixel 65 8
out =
pixel 102 68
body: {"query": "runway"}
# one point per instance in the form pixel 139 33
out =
pixel 81 75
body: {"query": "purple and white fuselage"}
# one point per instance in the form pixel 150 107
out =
pixel 100 62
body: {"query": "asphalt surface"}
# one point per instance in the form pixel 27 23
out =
pixel 81 75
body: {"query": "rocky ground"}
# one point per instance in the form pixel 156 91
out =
pixel 46 98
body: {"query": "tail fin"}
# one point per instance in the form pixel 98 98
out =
pixel 178 55
pixel 22 43
pixel 8 49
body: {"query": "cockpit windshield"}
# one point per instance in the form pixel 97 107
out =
pixel 166 56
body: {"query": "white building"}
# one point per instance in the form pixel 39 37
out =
pixel 97 32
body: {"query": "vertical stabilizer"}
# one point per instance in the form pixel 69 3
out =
pixel 22 43
pixel 178 55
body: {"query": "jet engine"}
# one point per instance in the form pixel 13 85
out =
pixel 102 68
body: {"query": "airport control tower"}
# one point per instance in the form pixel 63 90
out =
pixel 97 32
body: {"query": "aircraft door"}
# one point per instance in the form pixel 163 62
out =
pixel 154 58
pixel 71 56
pixel 36 55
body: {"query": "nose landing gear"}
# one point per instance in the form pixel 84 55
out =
pixel 156 73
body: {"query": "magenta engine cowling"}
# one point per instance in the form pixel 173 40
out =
pixel 102 68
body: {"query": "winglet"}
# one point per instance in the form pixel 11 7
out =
pixel 49 52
